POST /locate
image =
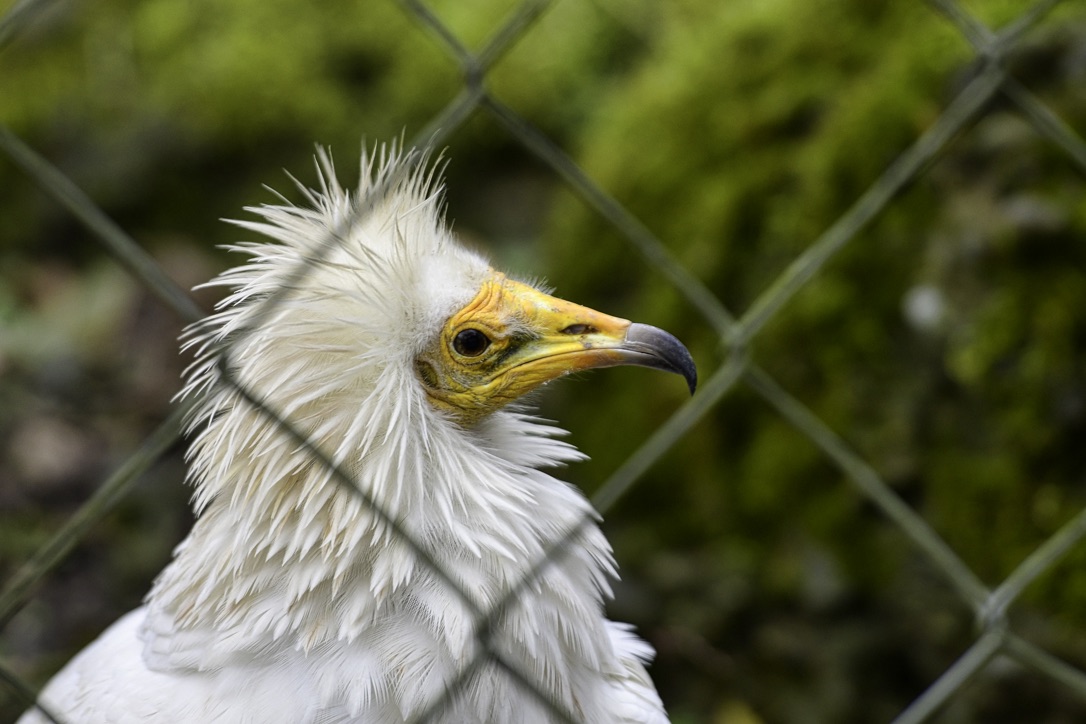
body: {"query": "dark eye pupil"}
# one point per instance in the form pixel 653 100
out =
pixel 470 342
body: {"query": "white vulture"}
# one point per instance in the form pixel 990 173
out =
pixel 397 352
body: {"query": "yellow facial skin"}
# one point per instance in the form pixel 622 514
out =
pixel 511 338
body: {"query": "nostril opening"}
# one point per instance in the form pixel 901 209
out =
pixel 578 329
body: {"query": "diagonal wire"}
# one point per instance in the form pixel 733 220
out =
pixel 420 12
pixel 960 112
pixel 665 436
pixel 345 480
pixel 511 31
pixel 452 689
pixel 1038 562
pixel 530 686
pixel 864 477
pixel 1011 33
pixel 472 66
pixel 1042 661
pixel 489 654
pixel 1047 123
pixel 976 32
pixel 996 45
pixel 953 679
pixel 49 556
pixel 648 453
pixel 475 67
pixel 18 17
pixel 993 45
pixel 650 247
pixel 137 261
pixel 643 240
pixel 27 694
pixel 394 525
pixel 451 117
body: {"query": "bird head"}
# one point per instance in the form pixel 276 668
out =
pixel 512 337
pixel 372 291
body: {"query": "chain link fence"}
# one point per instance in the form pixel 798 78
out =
pixel 991 82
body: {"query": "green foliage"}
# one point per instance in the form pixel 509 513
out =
pixel 752 136
pixel 225 95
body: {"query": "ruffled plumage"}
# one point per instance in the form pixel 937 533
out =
pixel 292 600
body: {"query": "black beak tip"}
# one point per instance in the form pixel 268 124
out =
pixel 661 350
pixel 689 372
pixel 691 379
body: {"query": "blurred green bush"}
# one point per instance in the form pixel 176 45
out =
pixel 946 344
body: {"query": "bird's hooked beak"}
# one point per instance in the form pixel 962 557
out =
pixel 512 338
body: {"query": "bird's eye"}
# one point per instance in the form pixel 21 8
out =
pixel 470 342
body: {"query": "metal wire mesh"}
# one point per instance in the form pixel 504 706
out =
pixel 995 633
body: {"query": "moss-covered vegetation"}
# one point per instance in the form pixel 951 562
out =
pixel 944 343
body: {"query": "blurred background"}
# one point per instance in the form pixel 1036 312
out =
pixel 945 343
